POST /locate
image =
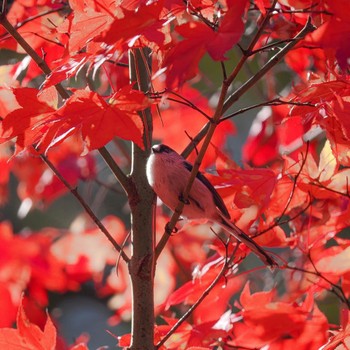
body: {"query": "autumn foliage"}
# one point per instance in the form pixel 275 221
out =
pixel 66 93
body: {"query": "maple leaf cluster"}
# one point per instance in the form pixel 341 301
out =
pixel 291 192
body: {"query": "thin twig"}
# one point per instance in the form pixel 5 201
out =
pixel 196 13
pixel 272 46
pixel 223 69
pixel 282 222
pixel 188 103
pixel 274 102
pixel 337 290
pixel 116 170
pixel 319 185
pixel 109 187
pixel 86 207
pixel 335 287
pixel 120 64
pixel 251 82
pixel 48 40
pixel 120 255
pixel 41 14
pixel 304 10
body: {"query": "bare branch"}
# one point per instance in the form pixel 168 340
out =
pixel 118 173
pixel 83 203
pixel 274 102
pixel 271 63
pixel 336 289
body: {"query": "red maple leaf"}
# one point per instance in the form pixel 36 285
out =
pixel 28 264
pixel 28 335
pixel 97 120
pixel 87 21
pixel 196 337
pixel 36 22
pixel 141 22
pixel 265 322
pixel 191 291
pixel 38 123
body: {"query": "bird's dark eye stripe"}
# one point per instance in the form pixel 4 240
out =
pixel 162 149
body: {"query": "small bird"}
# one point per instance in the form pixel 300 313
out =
pixel 168 174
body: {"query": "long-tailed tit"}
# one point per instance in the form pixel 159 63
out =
pixel 168 173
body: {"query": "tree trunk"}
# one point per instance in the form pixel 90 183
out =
pixel 142 203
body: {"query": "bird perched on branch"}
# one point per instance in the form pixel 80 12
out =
pixel 168 174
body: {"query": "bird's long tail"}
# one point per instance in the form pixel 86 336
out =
pixel 236 232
